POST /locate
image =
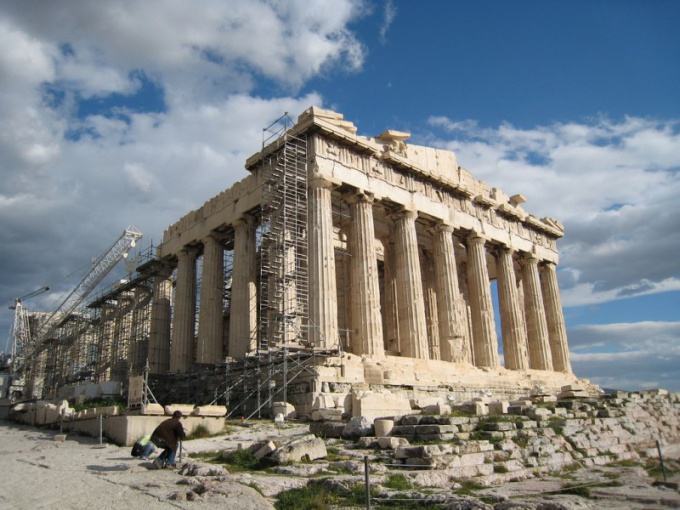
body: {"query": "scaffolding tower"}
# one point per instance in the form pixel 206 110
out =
pixel 284 278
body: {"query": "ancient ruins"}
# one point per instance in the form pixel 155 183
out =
pixel 345 272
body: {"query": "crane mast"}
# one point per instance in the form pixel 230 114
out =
pixel 100 268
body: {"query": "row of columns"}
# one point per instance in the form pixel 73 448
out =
pixel 525 311
pixel 532 323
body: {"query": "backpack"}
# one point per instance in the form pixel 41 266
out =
pixel 136 449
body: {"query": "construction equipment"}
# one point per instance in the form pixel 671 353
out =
pixel 32 345
pixel 21 332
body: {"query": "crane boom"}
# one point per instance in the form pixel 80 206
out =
pixel 100 268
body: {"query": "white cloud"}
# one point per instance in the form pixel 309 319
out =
pixel 389 15
pixel 613 184
pixel 72 181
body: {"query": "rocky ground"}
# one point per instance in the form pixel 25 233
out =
pixel 79 473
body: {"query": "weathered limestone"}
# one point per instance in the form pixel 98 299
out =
pixel 243 325
pixel 557 332
pixel 485 343
pixel 398 251
pixel 366 316
pixel 181 353
pixel 451 333
pixel 537 327
pixel 209 346
pixel 323 301
pixel 159 336
pixel 412 326
pixel 512 320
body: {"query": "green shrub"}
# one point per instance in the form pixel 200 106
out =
pixel 243 460
pixel 199 432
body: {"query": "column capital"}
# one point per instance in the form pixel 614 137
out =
pixel 318 180
pixel 444 227
pixel 404 212
pixel 476 238
pixel 360 197
pixel 189 250
pixel 215 236
pixel 546 265
pixel 246 219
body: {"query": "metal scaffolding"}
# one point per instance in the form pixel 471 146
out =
pixel 284 280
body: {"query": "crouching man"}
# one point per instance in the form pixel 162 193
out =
pixel 167 436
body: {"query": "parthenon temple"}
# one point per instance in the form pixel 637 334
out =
pixel 344 262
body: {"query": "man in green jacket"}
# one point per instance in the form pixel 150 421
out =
pixel 167 436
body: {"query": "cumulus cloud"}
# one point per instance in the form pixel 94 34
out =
pixel 82 155
pixel 612 183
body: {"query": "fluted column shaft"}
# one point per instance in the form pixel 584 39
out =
pixel 484 341
pixel 159 334
pixel 431 308
pixel 323 296
pixel 448 296
pixel 537 327
pixel 390 314
pixel 184 317
pixel 557 331
pixel 243 311
pixel 365 296
pixel 411 305
pixel 512 323
pixel 210 319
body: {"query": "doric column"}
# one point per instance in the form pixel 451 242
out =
pixel 557 332
pixel 159 329
pixel 484 340
pixel 365 295
pixel 323 296
pixel 448 297
pixel 210 317
pixel 243 315
pixel 537 327
pixel 431 308
pixel 512 323
pixel 390 313
pixel 411 305
pixel 184 317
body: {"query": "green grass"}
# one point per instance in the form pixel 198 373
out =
pixel 310 497
pixel 119 402
pixel 398 482
pixel 469 488
pixel 244 460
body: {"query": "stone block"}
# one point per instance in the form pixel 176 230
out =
pixel 324 402
pixel 152 409
pixel 305 449
pixel 379 405
pixel 326 415
pixel 498 408
pixel 327 429
pixel 209 411
pixel 265 449
pixel 357 427
pixel 392 443
pixel 500 426
pixel 186 409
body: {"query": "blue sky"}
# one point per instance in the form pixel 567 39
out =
pixel 132 112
